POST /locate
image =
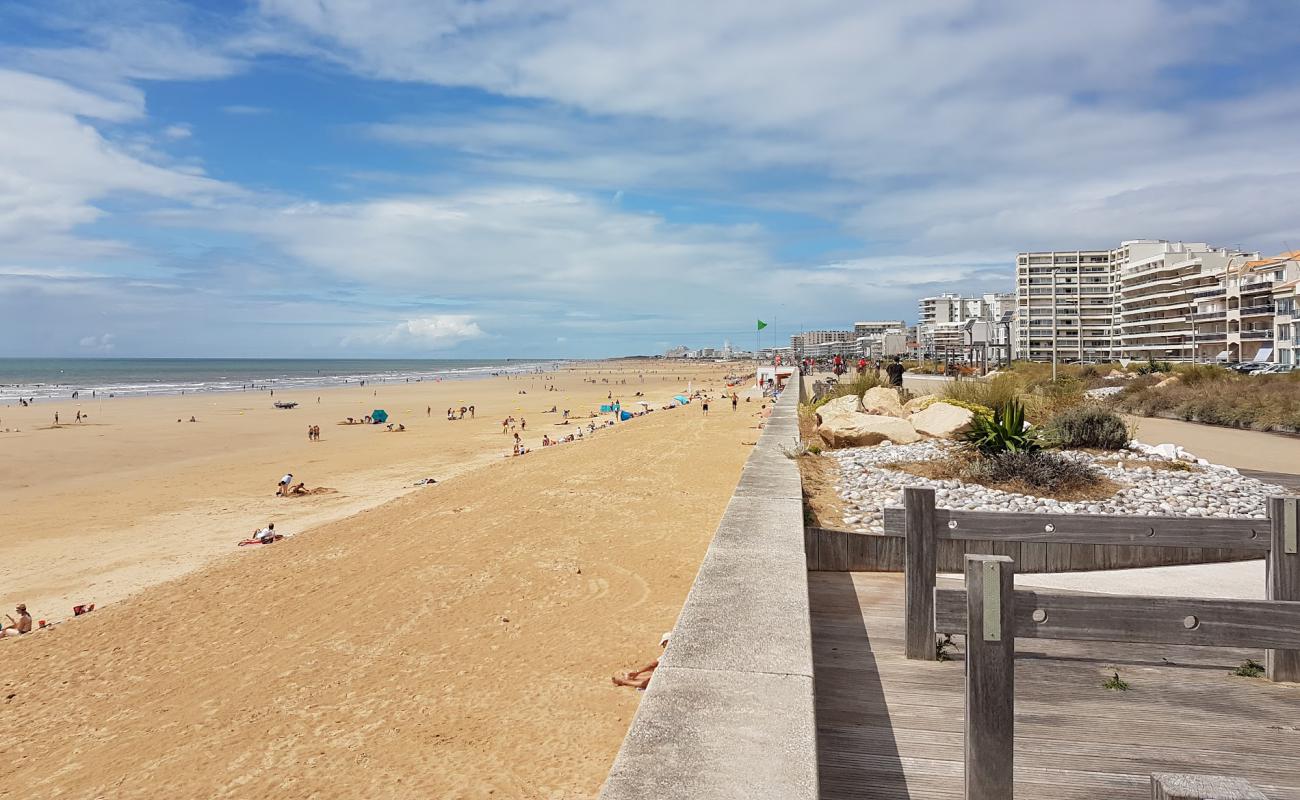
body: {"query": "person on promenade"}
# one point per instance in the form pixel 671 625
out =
pixel 640 677
pixel 17 627
pixel 895 371
pixel 282 488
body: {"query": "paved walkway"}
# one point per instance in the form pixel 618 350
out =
pixel 890 728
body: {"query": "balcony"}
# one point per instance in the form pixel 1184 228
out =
pixel 1255 311
pixel 1257 334
pixel 1256 287
pixel 1210 315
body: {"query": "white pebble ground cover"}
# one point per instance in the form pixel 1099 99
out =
pixel 1207 490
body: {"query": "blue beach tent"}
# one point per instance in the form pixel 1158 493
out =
pixel 625 415
pixel 681 398
pixel 379 415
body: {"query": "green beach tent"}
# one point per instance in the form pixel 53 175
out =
pixel 379 415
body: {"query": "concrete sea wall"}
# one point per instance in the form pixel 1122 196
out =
pixel 729 712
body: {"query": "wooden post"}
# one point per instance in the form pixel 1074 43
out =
pixel 990 677
pixel 1172 786
pixel 1283 578
pixel 921 547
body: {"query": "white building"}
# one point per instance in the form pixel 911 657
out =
pixel 1065 304
pixel 944 328
pixel 1146 299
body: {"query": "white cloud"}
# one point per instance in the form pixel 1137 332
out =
pixel 103 343
pixel 55 164
pixel 177 132
pixel 932 125
pixel 437 332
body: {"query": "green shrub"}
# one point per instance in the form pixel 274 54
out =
pixel 1004 432
pixel 975 408
pixel 1088 426
pixel 1155 366
pixel 1196 374
pixel 1039 470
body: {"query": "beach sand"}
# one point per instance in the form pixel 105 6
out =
pixel 97 510
pixel 454 642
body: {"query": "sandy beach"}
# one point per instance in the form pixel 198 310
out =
pixel 454 642
pixel 97 510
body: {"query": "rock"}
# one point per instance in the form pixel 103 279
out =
pixel 858 430
pixel 916 403
pixel 942 420
pixel 884 401
pixel 1169 451
pixel 848 404
pixel 1170 381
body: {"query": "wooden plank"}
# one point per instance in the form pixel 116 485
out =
pixel 1153 620
pixel 1283 578
pixel 919 574
pixel 1246 534
pixel 892 728
pixel 1175 786
pixel 989 740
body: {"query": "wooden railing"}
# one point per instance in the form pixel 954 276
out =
pixel 925 526
pixel 992 614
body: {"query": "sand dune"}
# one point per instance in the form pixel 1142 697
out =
pixel 455 642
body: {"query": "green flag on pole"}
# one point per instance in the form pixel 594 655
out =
pixel 761 324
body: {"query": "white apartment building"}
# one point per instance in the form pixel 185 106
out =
pixel 1286 311
pixel 1253 332
pixel 1146 299
pixel 943 327
pixel 1065 305
pixel 878 328
pixel 1167 291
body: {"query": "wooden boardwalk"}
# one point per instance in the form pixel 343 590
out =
pixel 891 728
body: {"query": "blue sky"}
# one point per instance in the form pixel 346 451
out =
pixel 506 178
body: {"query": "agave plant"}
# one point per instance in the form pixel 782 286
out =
pixel 1004 432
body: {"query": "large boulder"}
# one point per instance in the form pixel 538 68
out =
pixel 1170 381
pixel 883 400
pixel 861 430
pixel 942 420
pixel 917 403
pixel 848 404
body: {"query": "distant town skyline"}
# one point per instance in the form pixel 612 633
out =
pixel 318 178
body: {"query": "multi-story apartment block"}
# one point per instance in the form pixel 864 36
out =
pixel 1146 299
pixel 943 328
pixel 1286 322
pixel 1252 316
pixel 877 328
pixel 1167 291
pixel 1065 305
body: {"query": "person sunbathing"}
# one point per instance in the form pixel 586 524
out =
pixel 17 627
pixel 267 535
pixel 300 488
pixel 640 677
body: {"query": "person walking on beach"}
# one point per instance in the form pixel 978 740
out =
pixel 706 408
pixel 735 401
pixel 895 372
pixel 282 488
pixel 56 418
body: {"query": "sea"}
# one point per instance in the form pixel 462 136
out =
pixel 46 378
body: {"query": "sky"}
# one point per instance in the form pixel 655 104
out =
pixel 492 178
